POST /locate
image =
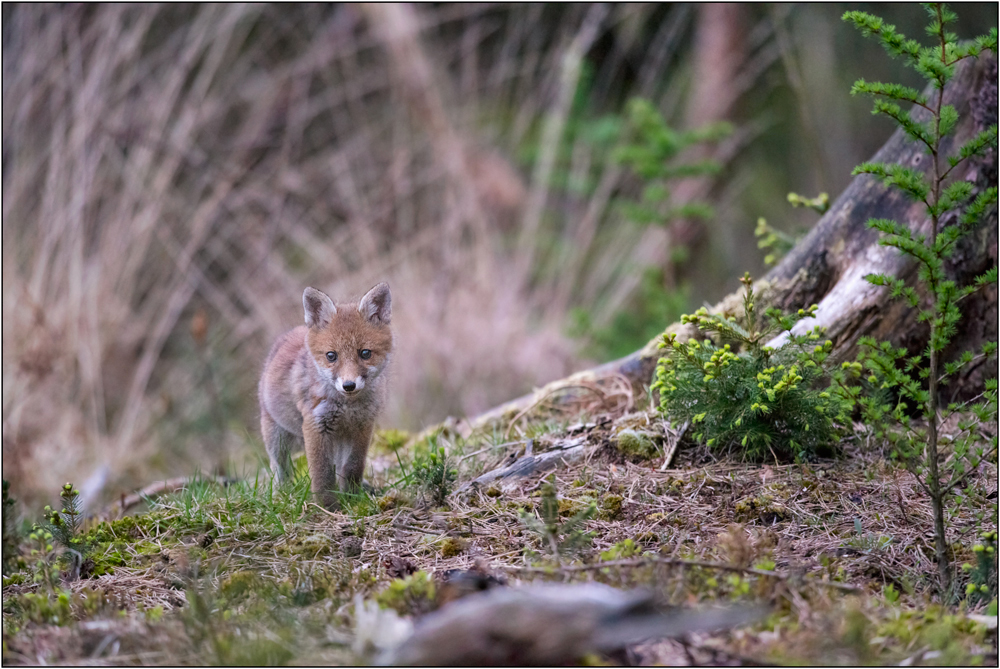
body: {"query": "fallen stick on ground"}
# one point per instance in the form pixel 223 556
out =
pixel 563 450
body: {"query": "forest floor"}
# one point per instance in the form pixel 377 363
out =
pixel 840 550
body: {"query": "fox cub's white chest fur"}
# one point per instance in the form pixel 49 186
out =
pixel 323 386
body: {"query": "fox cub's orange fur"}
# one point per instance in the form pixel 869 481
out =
pixel 323 385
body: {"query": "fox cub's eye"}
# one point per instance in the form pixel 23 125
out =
pixel 365 354
pixel 331 356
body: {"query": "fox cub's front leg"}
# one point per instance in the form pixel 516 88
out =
pixel 335 464
pixel 322 468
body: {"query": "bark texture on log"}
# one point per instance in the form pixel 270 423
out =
pixel 828 266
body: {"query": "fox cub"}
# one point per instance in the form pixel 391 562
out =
pixel 323 386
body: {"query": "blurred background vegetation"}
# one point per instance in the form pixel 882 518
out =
pixel 175 175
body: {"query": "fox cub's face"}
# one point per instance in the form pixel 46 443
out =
pixel 350 344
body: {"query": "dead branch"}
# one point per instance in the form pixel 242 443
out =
pixel 564 450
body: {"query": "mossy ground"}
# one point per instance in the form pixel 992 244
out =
pixel 840 549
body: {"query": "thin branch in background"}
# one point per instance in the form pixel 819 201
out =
pixel 569 77
pixel 665 45
pixel 788 58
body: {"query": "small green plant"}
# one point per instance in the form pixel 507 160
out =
pixel 359 504
pixel 982 586
pixel 560 537
pixel 761 401
pixel 44 567
pixel 432 471
pixel 739 586
pixel 65 524
pixel 62 527
pixel 412 595
pixel 778 243
pixel 820 203
pixel 954 210
pixel 46 608
pixel 10 536
pixel 653 154
pixel 50 604
pixel 765 564
pixel 622 551
pixel 774 241
pixel 867 542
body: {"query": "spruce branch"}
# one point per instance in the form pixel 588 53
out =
pixel 903 178
pixel 894 91
pixel 895 43
pixel 977 146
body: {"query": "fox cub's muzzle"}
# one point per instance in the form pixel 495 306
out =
pixel 351 386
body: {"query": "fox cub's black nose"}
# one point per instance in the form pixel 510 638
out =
pixel 349 386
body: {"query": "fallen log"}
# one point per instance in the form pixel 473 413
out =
pixel 828 266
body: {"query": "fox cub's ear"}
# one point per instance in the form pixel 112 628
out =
pixel 376 305
pixel 319 308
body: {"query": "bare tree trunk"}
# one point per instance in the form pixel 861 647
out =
pixel 829 265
